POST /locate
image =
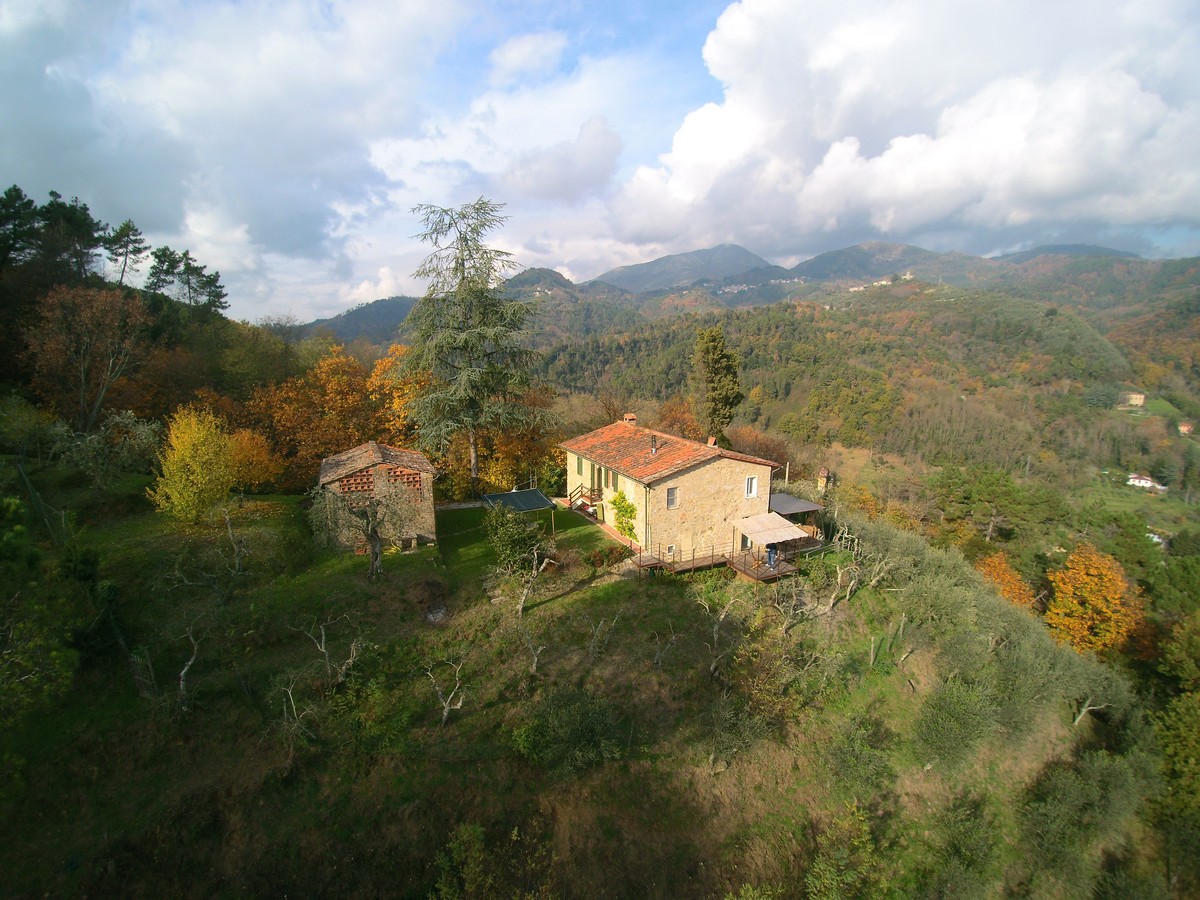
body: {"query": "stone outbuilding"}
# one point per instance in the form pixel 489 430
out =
pixel 369 469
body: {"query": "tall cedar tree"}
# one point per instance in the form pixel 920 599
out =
pixel 715 381
pixel 468 332
pixel 1093 607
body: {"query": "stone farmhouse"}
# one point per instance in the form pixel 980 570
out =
pixel 689 499
pixel 364 471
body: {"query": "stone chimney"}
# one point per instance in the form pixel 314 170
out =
pixel 712 440
pixel 629 418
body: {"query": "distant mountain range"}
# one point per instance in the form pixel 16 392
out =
pixel 677 270
pixel 731 276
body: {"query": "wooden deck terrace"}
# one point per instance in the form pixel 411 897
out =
pixel 750 564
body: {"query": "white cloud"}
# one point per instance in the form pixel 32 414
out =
pixel 903 118
pixel 570 170
pixel 529 55
pixel 386 283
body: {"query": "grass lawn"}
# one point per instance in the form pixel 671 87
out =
pixel 1162 512
pixel 467 556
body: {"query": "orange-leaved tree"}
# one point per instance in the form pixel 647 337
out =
pixel 999 571
pixel 327 410
pixel 1093 607
pixel 393 387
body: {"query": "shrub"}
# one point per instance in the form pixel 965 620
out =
pixel 570 730
pixel 953 721
pixel 513 538
pixel 623 514
pixel 603 557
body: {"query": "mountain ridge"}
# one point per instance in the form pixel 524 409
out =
pixel 1088 276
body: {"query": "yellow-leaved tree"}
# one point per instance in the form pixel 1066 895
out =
pixel 1093 607
pixel 202 461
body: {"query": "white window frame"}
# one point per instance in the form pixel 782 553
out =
pixel 670 551
pixel 746 543
pixel 673 492
pixel 751 486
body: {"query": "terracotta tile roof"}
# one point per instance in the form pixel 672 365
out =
pixel 647 456
pixel 368 455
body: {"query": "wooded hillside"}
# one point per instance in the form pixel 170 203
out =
pixel 982 682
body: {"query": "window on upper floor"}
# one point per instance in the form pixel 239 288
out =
pixel 579 465
pixel 672 498
pixel 751 485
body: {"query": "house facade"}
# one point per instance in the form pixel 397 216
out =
pixel 687 497
pixel 369 469
pixel 1145 482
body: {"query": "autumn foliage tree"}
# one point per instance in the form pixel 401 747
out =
pixel 327 410
pixel 1093 607
pixel 393 387
pixel 202 461
pixel 83 341
pixel 999 571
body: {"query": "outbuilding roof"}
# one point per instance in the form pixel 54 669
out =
pixel 369 455
pixel 646 455
pixel 520 501
pixel 787 505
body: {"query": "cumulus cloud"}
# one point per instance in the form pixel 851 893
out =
pixel 901 119
pixel 569 170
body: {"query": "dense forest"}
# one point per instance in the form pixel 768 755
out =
pixel 985 684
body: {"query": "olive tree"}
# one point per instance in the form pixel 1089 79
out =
pixel 388 514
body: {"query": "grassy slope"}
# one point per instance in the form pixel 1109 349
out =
pixel 126 796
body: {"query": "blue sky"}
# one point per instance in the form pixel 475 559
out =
pixel 284 142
